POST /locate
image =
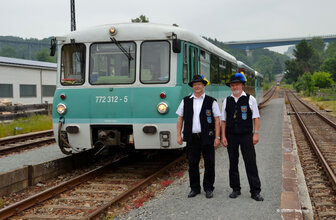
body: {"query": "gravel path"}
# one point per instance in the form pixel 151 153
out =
pixel 30 157
pixel 174 204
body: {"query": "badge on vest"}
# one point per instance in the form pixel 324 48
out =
pixel 208 112
pixel 243 108
pixel 209 120
pixel 244 116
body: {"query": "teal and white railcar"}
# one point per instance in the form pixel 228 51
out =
pixel 120 84
pixel 259 83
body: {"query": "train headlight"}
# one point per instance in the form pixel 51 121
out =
pixel 162 108
pixel 61 109
pixel 113 31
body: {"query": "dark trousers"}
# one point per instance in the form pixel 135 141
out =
pixel 249 156
pixel 194 150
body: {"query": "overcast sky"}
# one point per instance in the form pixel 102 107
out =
pixel 226 20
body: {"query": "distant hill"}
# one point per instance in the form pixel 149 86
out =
pixel 18 47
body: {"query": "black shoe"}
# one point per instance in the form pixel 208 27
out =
pixel 193 193
pixel 257 197
pixel 208 194
pixel 234 194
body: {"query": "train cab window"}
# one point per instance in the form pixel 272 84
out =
pixel 205 64
pixel 112 64
pixel 185 63
pixel 214 73
pixel 155 62
pixel 73 64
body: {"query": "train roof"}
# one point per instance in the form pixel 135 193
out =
pixel 143 31
pixel 257 74
pixel 241 64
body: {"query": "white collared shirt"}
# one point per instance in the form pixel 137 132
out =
pixel 197 106
pixel 252 103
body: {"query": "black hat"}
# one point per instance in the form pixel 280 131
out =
pixel 237 77
pixel 197 78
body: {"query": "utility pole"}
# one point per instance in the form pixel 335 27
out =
pixel 73 17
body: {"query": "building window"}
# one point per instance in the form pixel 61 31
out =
pixel 27 90
pixel 6 91
pixel 48 90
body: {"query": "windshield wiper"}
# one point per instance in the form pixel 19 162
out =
pixel 127 54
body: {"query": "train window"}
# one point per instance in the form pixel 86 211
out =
pixel 73 64
pixel 222 73
pixel 6 90
pixel 185 63
pixel 234 68
pixel 214 73
pixel 155 62
pixel 205 64
pixel 193 61
pixel 112 63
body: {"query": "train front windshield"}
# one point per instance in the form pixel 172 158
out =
pixel 112 64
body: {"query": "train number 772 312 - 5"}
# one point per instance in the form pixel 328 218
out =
pixel 111 99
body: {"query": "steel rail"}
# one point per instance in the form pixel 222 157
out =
pixel 266 100
pixel 23 146
pixel 268 91
pixel 49 193
pixel 315 147
pixel 17 138
pixel 333 124
pixel 135 188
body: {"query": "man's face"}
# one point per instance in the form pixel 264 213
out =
pixel 236 88
pixel 198 87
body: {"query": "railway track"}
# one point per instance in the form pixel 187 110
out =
pixel 90 195
pixel 25 141
pixel 316 140
pixel 267 96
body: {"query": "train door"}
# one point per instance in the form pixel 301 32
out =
pixel 190 62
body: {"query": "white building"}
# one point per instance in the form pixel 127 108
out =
pixel 27 81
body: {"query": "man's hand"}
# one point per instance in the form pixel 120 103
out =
pixel 179 140
pixel 224 141
pixel 255 138
pixel 217 142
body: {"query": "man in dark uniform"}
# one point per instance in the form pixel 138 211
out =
pixel 200 115
pixel 239 114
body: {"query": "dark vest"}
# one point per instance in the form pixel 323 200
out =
pixel 238 115
pixel 206 119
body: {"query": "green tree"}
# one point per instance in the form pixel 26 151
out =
pixel 303 53
pixel 8 52
pixel 322 79
pixel 293 70
pixel 277 67
pixel 329 65
pixel 264 65
pixel 43 55
pixel 318 44
pixel 141 19
pixel 307 83
pixel 314 62
pixel 331 50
